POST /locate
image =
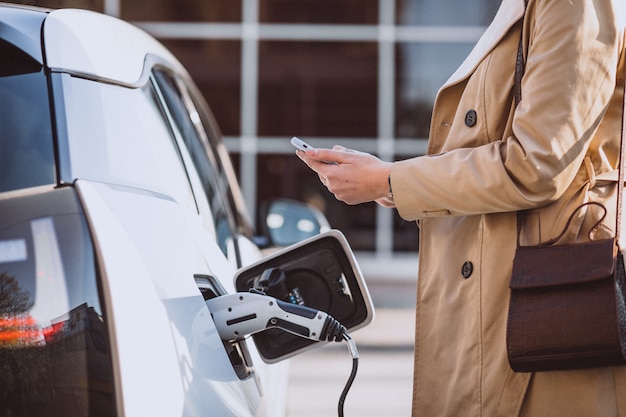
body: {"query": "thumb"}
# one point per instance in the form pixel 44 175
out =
pixel 334 155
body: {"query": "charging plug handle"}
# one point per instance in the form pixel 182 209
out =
pixel 241 314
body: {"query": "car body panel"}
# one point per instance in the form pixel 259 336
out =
pixel 88 43
pixel 166 361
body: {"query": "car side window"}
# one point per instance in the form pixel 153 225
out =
pixel 186 119
pixel 233 195
pixel 26 149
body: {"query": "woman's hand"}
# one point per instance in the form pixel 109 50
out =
pixel 353 177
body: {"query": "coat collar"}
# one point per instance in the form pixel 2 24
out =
pixel 508 14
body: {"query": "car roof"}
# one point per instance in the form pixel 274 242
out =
pixel 90 43
pixel 83 42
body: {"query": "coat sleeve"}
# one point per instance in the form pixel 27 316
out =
pixel 572 53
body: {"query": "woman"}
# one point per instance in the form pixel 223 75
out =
pixel 488 159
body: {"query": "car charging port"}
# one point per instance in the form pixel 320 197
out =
pixel 236 350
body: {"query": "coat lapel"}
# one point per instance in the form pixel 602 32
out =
pixel 508 14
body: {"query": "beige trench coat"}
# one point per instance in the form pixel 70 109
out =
pixel 487 160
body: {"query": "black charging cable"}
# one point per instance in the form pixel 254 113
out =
pixel 355 366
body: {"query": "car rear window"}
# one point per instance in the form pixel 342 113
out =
pixel 26 145
pixel 55 355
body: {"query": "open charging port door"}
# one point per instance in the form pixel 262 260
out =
pixel 320 272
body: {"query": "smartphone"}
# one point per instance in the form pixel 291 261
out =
pixel 300 144
pixel 303 146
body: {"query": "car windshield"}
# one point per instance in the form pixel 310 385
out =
pixel 26 150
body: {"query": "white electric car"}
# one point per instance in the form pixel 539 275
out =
pixel 122 230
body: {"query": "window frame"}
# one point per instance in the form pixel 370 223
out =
pixel 222 212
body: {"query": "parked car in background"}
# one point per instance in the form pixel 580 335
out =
pixel 120 216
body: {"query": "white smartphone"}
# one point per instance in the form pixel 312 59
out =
pixel 300 144
pixel 303 146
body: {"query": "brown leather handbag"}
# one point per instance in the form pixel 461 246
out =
pixel 567 307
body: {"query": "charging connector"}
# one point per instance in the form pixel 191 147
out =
pixel 242 314
pixel 239 315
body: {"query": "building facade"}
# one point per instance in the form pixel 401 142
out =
pixel 360 73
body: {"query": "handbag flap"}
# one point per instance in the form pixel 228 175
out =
pixel 547 266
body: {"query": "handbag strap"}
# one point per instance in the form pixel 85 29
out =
pixel 520 66
pixel 620 167
pixel 520 63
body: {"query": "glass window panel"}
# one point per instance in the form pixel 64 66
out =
pixel 405 233
pixel 449 12
pixel 215 67
pixel 95 5
pixel 319 11
pixel 26 153
pixel 181 10
pixel 55 356
pixel 358 223
pixel 285 176
pixel 204 162
pixel 318 89
pixel 421 69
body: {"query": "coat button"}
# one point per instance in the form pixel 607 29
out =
pixel 467 269
pixel 470 118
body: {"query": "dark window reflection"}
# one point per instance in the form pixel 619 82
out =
pixel 421 69
pixel 318 89
pixel 448 12
pixel 319 11
pixel 215 67
pixel 285 176
pixel 181 10
pixel 405 233
pixel 204 162
pixel 95 5
pixel 55 357
pixel 26 153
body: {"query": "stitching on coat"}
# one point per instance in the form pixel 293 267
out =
pixel 483 99
pixel 481 236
